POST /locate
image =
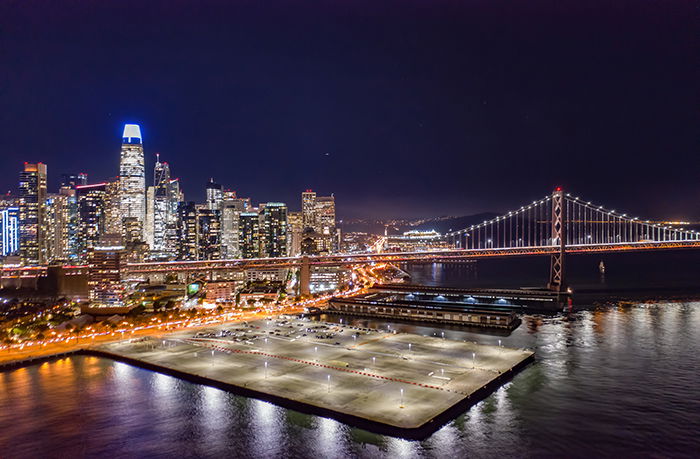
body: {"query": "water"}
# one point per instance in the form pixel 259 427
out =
pixel 609 380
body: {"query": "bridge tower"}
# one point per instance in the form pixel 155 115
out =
pixel 557 279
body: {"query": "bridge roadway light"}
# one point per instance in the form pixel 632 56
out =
pixel 473 360
pixel 329 384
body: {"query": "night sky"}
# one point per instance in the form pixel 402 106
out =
pixel 407 108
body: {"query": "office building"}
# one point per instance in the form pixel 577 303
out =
pixel 9 231
pixel 92 216
pixel 249 234
pixel 32 202
pixel 104 273
pixel 215 195
pixel 230 216
pixel 308 209
pixel 132 179
pixel 273 230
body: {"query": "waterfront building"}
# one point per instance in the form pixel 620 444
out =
pixel 273 230
pixel 249 234
pixel 32 202
pixel 132 179
pixel 91 215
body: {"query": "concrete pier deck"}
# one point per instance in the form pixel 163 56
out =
pixel 383 380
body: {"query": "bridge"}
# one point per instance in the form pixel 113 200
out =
pixel 554 226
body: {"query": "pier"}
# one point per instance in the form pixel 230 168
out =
pixel 399 384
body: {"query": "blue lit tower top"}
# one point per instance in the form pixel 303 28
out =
pixel 132 134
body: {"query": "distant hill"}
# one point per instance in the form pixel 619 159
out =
pixel 439 224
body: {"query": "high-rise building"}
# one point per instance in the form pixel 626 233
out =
pixel 32 201
pixel 230 215
pixel 295 228
pixel 208 234
pixel 73 180
pixel 71 229
pixel 308 209
pixel 57 221
pixel 273 231
pixel 325 214
pixel 132 179
pixel 187 243
pixel 105 260
pixel 162 212
pixel 320 235
pixel 249 234
pixel 92 216
pixel 9 231
pixel 215 195
pixel 114 223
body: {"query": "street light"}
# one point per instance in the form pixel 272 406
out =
pixel 401 404
pixel 473 360
pixel 329 384
pixel 265 369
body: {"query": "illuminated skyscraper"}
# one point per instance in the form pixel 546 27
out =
pixel 273 232
pixel 92 216
pixel 308 209
pixel 215 195
pixel 9 231
pixel 325 214
pixel 295 228
pixel 249 234
pixel 132 179
pixel 32 202
pixel 230 216
pixel 187 231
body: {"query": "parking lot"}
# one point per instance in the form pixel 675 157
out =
pixel 402 380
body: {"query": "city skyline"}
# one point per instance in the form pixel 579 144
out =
pixel 398 121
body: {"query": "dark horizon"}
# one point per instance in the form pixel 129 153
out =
pixel 404 109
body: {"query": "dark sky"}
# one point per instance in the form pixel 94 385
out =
pixel 407 108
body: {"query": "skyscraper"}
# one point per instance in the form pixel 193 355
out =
pixel 132 180
pixel 9 231
pixel 249 234
pixel 73 180
pixel 187 243
pixel 325 214
pixel 230 216
pixel 273 232
pixel 215 194
pixel 308 209
pixel 92 216
pixel 32 201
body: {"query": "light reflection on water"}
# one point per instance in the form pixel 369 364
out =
pixel 614 380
